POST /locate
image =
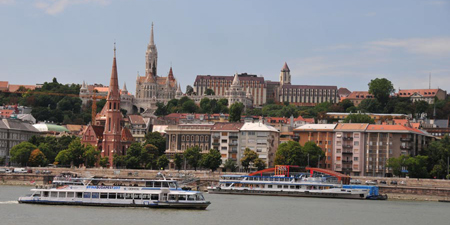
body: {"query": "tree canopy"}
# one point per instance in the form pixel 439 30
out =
pixel 235 112
pixel 381 89
pixel 193 156
pixel 359 118
pixel 21 153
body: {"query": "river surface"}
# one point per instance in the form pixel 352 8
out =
pixel 230 209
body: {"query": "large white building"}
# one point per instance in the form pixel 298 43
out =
pixel 261 138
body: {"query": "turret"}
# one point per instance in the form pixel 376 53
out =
pixel 285 75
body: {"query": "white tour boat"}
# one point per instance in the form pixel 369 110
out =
pixel 116 192
pixel 296 185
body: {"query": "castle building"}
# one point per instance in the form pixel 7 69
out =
pixel 263 91
pixel 237 94
pixel 108 134
pixel 151 88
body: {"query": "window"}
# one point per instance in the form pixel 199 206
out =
pixel 95 195
pixel 355 158
pixel 103 195
pixel 187 138
pixel 182 138
pixel 338 143
pixel 112 195
pixel 356 143
pixel 145 196
pixel 120 195
pixel 70 194
pixel 62 194
pixel 338 150
pixel 79 194
pixel 87 195
pixel 154 197
pixel 137 196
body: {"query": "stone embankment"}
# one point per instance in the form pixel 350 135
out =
pixel 406 188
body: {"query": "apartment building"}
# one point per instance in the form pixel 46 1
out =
pixel 225 139
pixel 348 148
pixel 322 135
pixel 261 138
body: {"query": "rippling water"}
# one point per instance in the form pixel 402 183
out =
pixel 230 209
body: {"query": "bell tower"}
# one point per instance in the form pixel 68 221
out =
pixel 285 75
pixel 151 57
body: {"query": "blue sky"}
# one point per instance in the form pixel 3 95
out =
pixel 343 43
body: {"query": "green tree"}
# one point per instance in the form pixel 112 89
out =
pixel 178 160
pixel 259 164
pixel 359 118
pixel 149 154
pixel 370 105
pixel 421 106
pixel 249 157
pixel 63 158
pixel 209 92
pixel 90 156
pixel 230 165
pixel 289 153
pixel 189 107
pixel 314 152
pixel 205 105
pixel 21 152
pixel 396 164
pixel 189 90
pixel 76 150
pixel 133 156
pixel 161 109
pixel 119 161
pixel 162 162
pixel 104 162
pixel 381 89
pixel 193 156
pixel 37 158
pixel 346 103
pixel 156 139
pixel 212 160
pixel 417 166
pixel 235 112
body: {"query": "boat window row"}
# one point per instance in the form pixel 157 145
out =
pixel 101 195
pixel 256 178
pixel 159 184
pixel 172 197
pixel 269 186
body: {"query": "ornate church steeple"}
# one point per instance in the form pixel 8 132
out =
pixel 151 57
pixel 285 75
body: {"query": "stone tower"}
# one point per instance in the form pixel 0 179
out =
pixel 285 75
pixel 151 57
pixel 112 132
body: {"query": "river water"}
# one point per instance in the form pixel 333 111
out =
pixel 230 209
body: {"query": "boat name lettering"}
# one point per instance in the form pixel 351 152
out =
pixel 102 187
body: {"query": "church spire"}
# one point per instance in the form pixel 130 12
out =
pixel 113 93
pixel 171 74
pixel 124 89
pixel 152 40
pixel 236 79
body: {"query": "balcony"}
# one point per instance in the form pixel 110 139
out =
pixel 233 136
pixel 234 143
pixel 348 138
pixel 216 136
pixel 215 143
pixel 346 169
pixel 347 161
pixel 348 146
pixel 406 147
pixel 233 151
pixel 406 139
pixel 347 152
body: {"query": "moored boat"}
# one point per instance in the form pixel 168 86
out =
pixel 116 193
pixel 285 182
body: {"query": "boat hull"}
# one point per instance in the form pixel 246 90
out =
pixel 343 195
pixel 176 205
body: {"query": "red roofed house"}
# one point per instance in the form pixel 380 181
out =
pixel 358 96
pixel 428 95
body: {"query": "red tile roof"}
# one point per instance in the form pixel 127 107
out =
pixel 227 126
pixel 423 92
pixel 136 119
pixel 15 87
pixel 359 95
pixel 126 135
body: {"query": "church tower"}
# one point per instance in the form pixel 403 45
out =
pixel 285 75
pixel 151 57
pixel 113 128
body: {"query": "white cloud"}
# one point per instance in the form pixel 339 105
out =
pixel 427 46
pixel 53 7
pixel 7 2
pixel 438 3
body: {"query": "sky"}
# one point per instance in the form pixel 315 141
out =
pixel 325 42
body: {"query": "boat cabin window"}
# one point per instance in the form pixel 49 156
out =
pixel 279 186
pixel 128 196
pixel 172 185
pixel 137 196
pixel 79 194
pixel 200 197
pixel 172 197
pixel 149 184
pixel 95 194
pixel 62 194
pixel 165 184
pixel 286 186
pixel 112 195
pixel 145 196
pixel 157 184
pixel 36 194
pixel 103 195
pixel 269 186
pixel 70 194
pixel 45 194
pixel 154 197
pixel 191 197
pixel 54 194
pixel 87 195
pixel 182 197
pixel 120 195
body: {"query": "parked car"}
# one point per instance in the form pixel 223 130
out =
pixel 371 182
pixel 2 170
pixel 46 172
pixel 29 171
pixel 393 182
pixel 383 182
pixel 355 181
pixel 20 170
pixel 37 171
pixel 402 182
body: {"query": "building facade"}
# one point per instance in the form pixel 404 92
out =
pixel 262 91
pixel 225 139
pixel 260 138
pixel 12 133
pixel 322 135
